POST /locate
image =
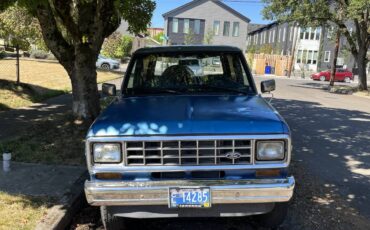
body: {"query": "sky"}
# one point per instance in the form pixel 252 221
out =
pixel 250 9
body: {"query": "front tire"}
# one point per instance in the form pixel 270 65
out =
pixel 274 218
pixel 111 222
pixel 322 78
pixel 105 66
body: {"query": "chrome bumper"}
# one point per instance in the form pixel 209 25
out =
pixel 156 192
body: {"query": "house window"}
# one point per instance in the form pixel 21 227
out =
pixel 318 32
pixel 236 29
pixel 261 34
pixel 307 34
pixel 315 56
pixel 284 34
pixel 175 25
pixel 291 34
pixel 186 26
pixel 304 56
pixel 330 32
pixel 327 56
pixel 299 56
pixel 197 26
pixel 273 36
pixel 312 34
pixel 310 57
pixel 216 27
pixel 270 36
pixel 301 33
pixel 226 28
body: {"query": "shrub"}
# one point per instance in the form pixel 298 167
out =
pixel 39 54
pixel 117 46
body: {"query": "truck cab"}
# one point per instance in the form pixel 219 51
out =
pixel 178 144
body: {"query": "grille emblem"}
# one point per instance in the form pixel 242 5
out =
pixel 233 155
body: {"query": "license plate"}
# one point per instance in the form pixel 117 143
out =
pixel 189 198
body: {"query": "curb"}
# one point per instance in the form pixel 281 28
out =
pixel 61 214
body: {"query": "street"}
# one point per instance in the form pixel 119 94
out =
pixel 331 164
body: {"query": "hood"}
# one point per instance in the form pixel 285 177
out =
pixel 188 115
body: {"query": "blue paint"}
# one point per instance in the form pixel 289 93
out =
pixel 188 115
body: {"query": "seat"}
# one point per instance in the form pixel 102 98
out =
pixel 176 76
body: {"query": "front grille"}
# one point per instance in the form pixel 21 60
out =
pixel 187 152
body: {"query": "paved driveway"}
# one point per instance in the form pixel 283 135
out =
pixel 331 163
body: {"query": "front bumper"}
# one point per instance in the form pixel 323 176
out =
pixel 122 193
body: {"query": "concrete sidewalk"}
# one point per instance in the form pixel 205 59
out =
pixel 14 121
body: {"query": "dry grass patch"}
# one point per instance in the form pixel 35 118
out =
pixel 40 80
pixel 21 212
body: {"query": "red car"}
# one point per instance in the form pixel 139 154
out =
pixel 340 75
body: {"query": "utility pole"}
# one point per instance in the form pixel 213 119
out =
pixel 17 64
pixel 294 45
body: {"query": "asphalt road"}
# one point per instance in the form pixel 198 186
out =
pixel 331 163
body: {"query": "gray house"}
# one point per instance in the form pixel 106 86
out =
pixel 202 19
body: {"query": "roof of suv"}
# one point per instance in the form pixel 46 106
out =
pixel 187 48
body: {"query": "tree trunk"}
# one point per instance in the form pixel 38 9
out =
pixel 85 93
pixel 335 57
pixel 361 63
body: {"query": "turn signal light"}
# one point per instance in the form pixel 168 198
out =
pixel 108 176
pixel 268 173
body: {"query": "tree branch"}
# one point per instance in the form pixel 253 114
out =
pixel 61 49
pixel 63 11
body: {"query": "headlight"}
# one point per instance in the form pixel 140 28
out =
pixel 270 150
pixel 107 153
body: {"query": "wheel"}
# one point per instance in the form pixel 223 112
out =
pixel 274 218
pixel 111 222
pixel 322 78
pixel 105 66
pixel 347 79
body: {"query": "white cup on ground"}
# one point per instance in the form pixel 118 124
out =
pixel 6 161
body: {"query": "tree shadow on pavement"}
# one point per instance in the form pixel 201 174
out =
pixel 331 163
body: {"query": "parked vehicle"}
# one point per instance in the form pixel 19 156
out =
pixel 173 143
pixel 107 63
pixel 194 64
pixel 340 75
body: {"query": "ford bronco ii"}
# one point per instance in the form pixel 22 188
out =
pixel 177 144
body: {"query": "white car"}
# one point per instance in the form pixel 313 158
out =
pixel 107 63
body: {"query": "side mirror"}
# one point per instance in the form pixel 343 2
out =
pixel 109 89
pixel 268 86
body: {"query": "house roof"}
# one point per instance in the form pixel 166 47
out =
pixel 263 27
pixel 193 3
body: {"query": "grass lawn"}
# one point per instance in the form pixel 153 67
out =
pixel 21 212
pixel 41 80
pixel 53 140
pixel 56 139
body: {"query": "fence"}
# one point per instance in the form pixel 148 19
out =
pixel 279 63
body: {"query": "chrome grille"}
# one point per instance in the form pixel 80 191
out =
pixel 187 152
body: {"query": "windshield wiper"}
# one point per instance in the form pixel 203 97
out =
pixel 157 90
pixel 220 88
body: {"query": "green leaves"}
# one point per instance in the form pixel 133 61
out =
pixel 19 27
pixel 137 13
pixel 117 46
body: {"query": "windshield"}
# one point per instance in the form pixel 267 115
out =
pixel 172 74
